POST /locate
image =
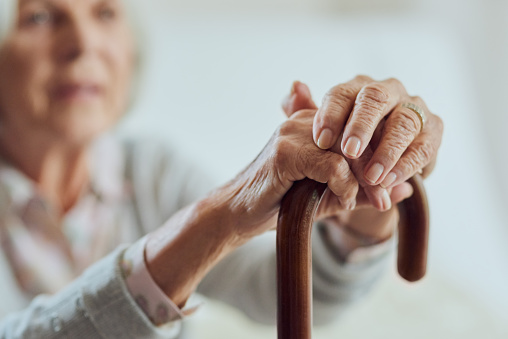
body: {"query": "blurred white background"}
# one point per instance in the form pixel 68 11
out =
pixel 218 70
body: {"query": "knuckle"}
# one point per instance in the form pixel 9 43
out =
pixel 374 96
pixel 281 150
pixel 343 180
pixel 409 165
pixel 303 114
pixel 397 83
pixel 350 193
pixel 376 92
pixel 439 123
pixel 418 101
pixel 407 122
pixel 423 153
pixel 287 128
pixel 341 95
pixel 362 78
pixel 304 159
pixel 341 169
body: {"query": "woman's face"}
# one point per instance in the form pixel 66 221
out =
pixel 65 69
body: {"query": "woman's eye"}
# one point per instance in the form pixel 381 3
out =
pixel 39 18
pixel 106 13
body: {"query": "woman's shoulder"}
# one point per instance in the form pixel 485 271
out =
pixel 150 150
pixel 163 179
pixel 152 160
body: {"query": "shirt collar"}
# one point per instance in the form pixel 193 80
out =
pixel 107 162
pixel 107 168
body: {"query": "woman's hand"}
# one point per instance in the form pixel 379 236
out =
pixel 351 114
pixel 391 147
pixel 290 155
pixel 300 98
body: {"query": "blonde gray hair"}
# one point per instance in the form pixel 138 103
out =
pixel 7 12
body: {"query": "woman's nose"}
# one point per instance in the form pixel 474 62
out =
pixel 76 38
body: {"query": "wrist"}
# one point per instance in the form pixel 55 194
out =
pixel 350 249
pixel 341 241
pixel 370 224
pixel 250 206
pixel 349 231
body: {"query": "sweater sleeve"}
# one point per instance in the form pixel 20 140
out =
pixel 247 280
pixel 96 305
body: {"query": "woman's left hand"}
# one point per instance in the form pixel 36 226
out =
pixel 385 141
pixel 358 107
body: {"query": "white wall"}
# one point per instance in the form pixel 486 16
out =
pixel 218 73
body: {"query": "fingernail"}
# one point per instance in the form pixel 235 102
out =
pixel 325 139
pixel 352 147
pixel 293 87
pixel 285 102
pixel 390 179
pixel 374 173
pixel 387 202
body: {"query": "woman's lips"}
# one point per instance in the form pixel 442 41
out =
pixel 77 91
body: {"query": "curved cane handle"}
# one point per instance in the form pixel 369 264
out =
pixel 294 261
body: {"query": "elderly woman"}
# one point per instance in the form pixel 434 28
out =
pixel 70 193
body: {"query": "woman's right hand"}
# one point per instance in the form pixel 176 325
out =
pixel 254 196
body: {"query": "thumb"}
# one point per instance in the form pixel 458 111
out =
pixel 299 98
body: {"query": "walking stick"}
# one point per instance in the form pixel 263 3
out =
pixel 294 262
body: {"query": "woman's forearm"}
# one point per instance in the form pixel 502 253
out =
pixel 188 245
pixel 193 241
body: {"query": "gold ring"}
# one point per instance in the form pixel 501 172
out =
pixel 418 110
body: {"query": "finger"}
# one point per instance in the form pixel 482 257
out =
pixel 401 128
pixel 378 197
pixel 298 99
pixel 401 192
pixel 334 170
pixel 421 153
pixel 373 102
pixel 335 110
pixel 328 207
pixel 427 170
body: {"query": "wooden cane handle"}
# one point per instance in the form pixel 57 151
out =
pixel 294 256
